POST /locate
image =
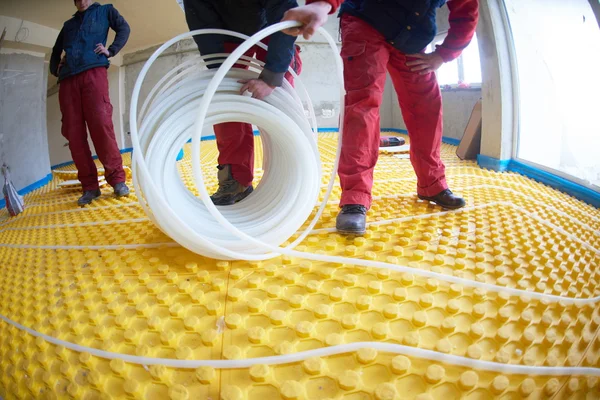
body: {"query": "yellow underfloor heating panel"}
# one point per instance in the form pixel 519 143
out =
pixel 116 283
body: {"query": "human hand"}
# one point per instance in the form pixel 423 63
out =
pixel 425 63
pixel 259 89
pixel 312 16
pixel 63 61
pixel 100 49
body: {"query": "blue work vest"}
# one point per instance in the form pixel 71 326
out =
pixel 408 25
pixel 81 35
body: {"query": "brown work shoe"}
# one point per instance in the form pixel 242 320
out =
pixel 230 191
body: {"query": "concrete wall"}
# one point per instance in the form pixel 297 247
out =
pixel 116 86
pixel 57 144
pixel 458 105
pixel 498 89
pixel 59 151
pixel 20 32
pixel 23 139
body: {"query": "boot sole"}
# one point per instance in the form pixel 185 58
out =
pixel 90 202
pixel 350 232
pixel 243 195
pixel 448 207
pixel 236 199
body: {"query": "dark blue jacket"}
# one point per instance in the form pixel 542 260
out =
pixel 80 35
pixel 408 25
pixel 247 17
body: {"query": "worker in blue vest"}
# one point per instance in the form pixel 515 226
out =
pixel 83 93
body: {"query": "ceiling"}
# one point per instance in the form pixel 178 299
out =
pixel 152 21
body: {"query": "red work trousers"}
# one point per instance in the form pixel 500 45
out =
pixel 235 140
pixel 84 101
pixel 367 56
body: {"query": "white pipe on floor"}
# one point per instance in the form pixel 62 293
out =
pixel 321 352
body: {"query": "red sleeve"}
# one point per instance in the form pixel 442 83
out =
pixel 335 4
pixel 463 21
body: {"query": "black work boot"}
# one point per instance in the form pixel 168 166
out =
pixel 230 191
pixel 121 190
pixel 89 196
pixel 352 219
pixel 446 199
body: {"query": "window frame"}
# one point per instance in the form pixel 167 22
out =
pixel 460 67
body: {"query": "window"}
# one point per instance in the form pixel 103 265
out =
pixel 465 70
pixel 558 87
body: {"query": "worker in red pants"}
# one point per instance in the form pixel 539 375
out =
pixel 83 93
pixel 386 35
pixel 235 140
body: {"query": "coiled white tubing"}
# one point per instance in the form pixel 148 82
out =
pixel 254 228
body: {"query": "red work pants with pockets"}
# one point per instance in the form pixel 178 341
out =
pixel 84 100
pixel 367 56
pixel 235 140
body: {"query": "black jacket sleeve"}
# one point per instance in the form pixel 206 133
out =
pixel 121 27
pixel 57 51
pixel 281 46
pixel 200 14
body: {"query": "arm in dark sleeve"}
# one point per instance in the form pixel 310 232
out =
pixel 281 46
pixel 201 15
pixel 56 54
pixel 335 4
pixel 121 27
pixel 463 22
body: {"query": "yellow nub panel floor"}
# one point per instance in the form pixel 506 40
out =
pixel 105 277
